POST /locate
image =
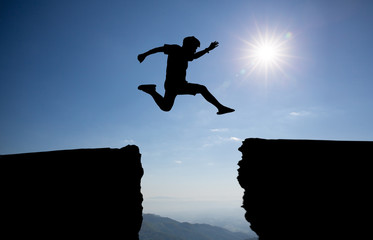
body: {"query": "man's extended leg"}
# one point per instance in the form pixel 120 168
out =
pixel 197 88
pixel 165 103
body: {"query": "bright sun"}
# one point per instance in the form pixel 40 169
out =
pixel 267 52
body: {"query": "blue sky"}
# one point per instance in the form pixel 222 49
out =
pixel 69 77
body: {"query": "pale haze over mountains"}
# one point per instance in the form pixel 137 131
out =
pixel 155 227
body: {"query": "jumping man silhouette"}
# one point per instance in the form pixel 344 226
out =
pixel 175 84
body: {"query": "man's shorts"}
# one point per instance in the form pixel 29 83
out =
pixel 184 88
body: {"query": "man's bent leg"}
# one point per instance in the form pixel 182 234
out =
pixel 165 103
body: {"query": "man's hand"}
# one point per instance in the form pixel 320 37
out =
pixel 141 57
pixel 213 45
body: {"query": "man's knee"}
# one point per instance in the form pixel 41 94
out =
pixel 166 107
pixel 168 101
pixel 201 89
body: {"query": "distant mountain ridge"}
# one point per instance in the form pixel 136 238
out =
pixel 155 227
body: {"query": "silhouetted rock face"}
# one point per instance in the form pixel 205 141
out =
pixel 307 189
pixel 72 194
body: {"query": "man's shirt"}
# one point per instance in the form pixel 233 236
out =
pixel 177 64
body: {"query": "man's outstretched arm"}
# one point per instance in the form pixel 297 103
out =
pixel 203 52
pixel 142 56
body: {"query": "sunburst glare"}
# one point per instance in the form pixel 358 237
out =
pixel 266 53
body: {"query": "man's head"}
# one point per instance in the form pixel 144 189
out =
pixel 191 43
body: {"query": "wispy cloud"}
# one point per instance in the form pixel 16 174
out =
pixel 235 139
pixel 219 130
pixel 299 114
pixel 217 140
pixel 127 141
pixel 178 162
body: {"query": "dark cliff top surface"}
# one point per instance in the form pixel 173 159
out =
pixel 304 142
pixel 91 152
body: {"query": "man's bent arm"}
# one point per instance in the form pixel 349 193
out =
pixel 154 50
pixel 142 56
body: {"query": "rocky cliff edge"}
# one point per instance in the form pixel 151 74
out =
pixel 81 193
pixel 307 189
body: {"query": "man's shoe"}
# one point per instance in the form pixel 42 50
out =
pixel 148 88
pixel 224 110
